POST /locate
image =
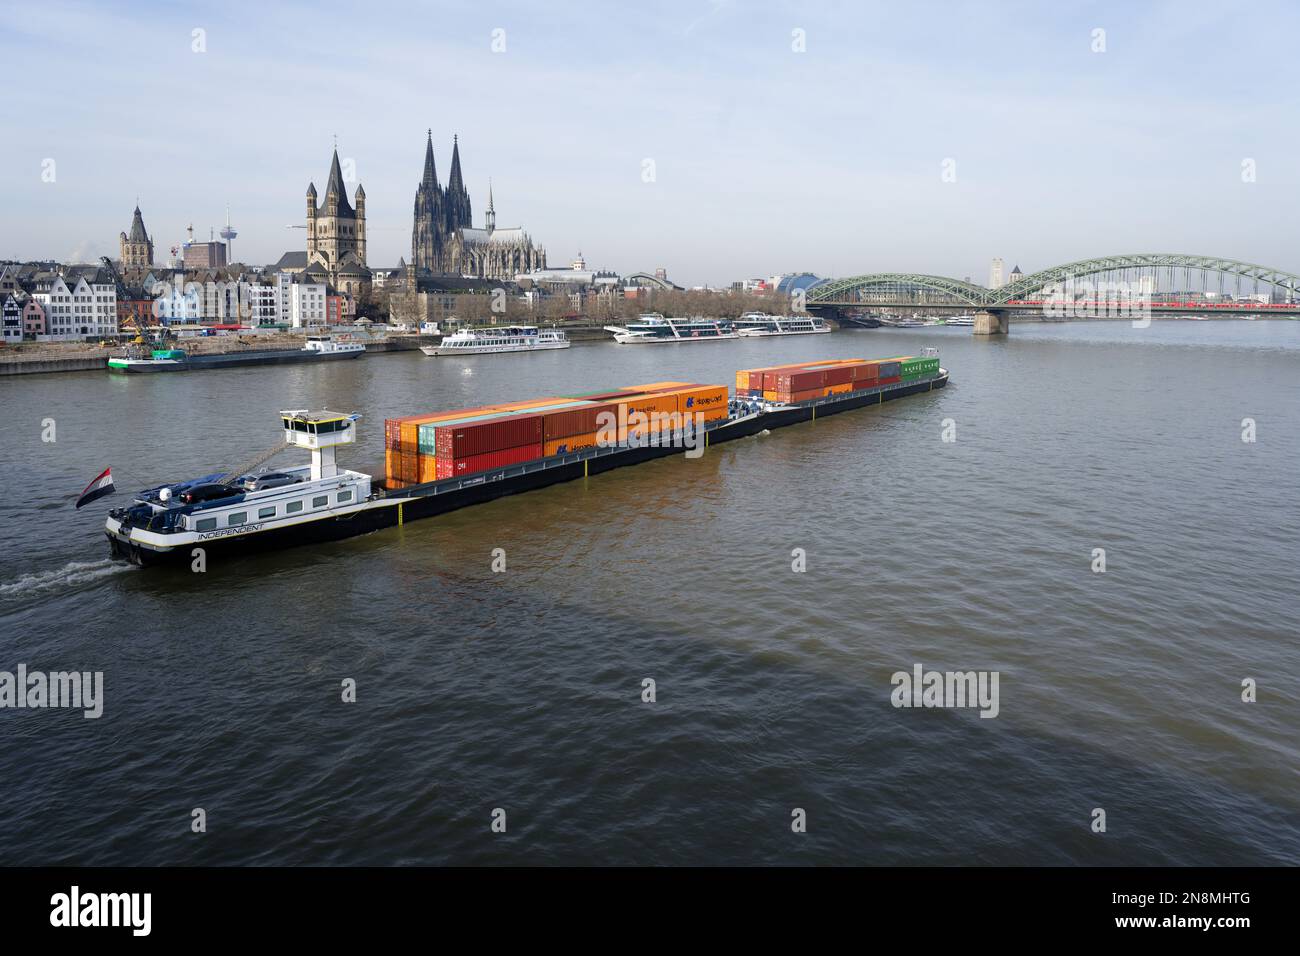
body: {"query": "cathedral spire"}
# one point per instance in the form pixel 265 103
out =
pixel 454 181
pixel 491 210
pixel 459 214
pixel 430 180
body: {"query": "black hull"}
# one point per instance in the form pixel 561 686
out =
pixel 416 502
pixel 859 322
pixel 240 360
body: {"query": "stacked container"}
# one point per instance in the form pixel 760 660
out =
pixel 423 448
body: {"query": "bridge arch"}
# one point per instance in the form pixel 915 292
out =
pixel 1140 261
pixel 852 289
pixel 647 280
pixel 857 290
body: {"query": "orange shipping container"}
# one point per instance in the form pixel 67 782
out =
pixel 701 398
pixel 560 446
pixel 839 389
pixel 428 468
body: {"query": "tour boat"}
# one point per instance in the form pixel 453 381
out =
pixel 519 338
pixel 653 329
pixel 754 324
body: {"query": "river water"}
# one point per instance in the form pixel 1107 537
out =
pixel 522 691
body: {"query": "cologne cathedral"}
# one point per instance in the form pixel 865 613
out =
pixel 444 241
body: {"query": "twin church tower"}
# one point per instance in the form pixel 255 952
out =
pixel 444 241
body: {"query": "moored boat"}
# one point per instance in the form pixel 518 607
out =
pixel 521 338
pixel 318 348
pixel 760 324
pixel 653 329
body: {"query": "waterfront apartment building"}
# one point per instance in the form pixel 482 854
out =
pixel 81 304
pixel 307 305
pixel 33 319
pixel 11 318
pixel 262 305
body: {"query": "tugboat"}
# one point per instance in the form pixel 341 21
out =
pixel 280 508
pixel 318 348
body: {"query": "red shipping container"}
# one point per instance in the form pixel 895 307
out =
pixel 575 421
pixel 840 375
pixel 459 467
pixel 890 381
pixel 489 435
pixel 799 381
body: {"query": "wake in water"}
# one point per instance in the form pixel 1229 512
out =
pixel 71 575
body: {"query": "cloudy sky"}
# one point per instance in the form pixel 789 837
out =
pixel 719 140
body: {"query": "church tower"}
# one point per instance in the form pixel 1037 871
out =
pixel 430 218
pixel 137 247
pixel 458 213
pixel 491 214
pixel 336 233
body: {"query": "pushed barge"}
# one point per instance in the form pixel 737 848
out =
pixel 231 515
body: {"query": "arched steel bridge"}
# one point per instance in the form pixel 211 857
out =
pixel 1156 274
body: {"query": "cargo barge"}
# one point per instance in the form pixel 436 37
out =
pixel 319 348
pixel 228 516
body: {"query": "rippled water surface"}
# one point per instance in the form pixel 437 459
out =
pixel 522 690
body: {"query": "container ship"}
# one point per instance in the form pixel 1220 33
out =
pixel 318 348
pixel 446 460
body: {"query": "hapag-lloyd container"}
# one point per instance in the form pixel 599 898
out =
pixel 702 398
pixel 459 467
pixel 568 443
pixel 468 439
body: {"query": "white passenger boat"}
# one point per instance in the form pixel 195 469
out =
pixel 518 338
pixel 653 329
pixel 754 324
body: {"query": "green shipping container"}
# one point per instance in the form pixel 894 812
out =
pixel 919 368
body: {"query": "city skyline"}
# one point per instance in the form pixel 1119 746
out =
pixel 641 152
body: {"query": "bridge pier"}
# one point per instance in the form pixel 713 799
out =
pixel 991 322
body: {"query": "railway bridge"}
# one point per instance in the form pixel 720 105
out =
pixel 1123 286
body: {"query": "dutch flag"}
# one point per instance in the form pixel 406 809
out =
pixel 98 488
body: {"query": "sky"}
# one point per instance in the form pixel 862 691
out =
pixel 718 140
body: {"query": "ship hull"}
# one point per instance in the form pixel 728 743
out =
pixel 414 503
pixel 233 360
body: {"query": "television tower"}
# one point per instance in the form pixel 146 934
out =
pixel 229 234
